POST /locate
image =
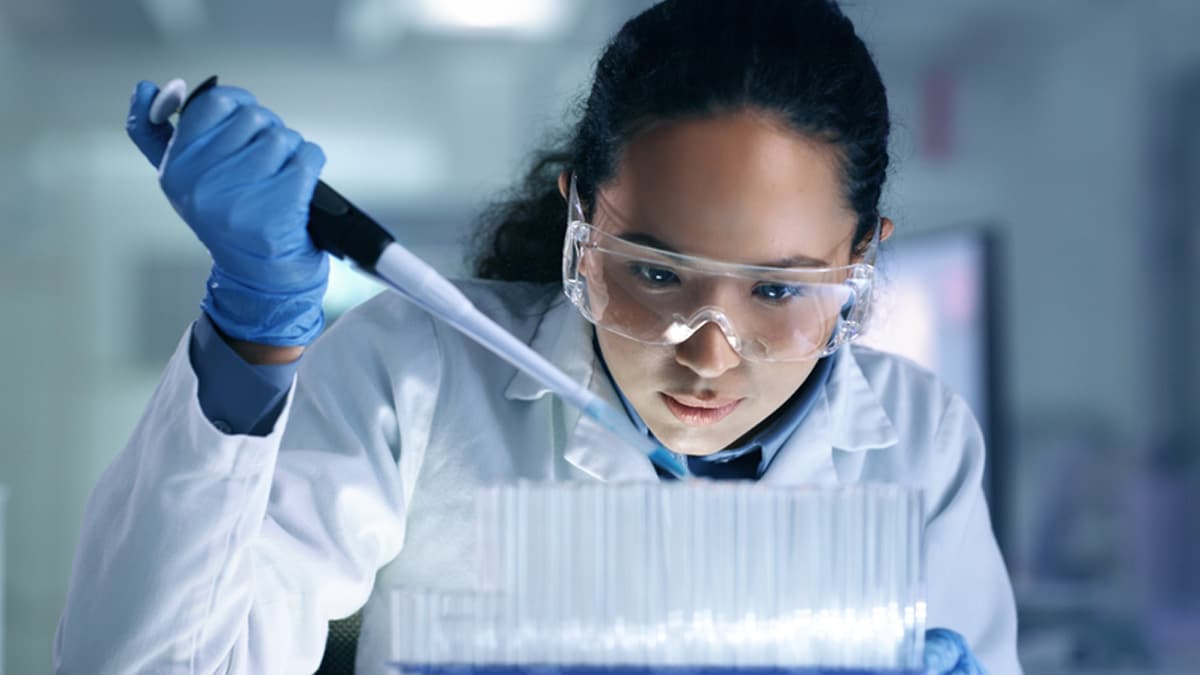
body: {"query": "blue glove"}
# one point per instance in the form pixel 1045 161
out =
pixel 947 653
pixel 243 182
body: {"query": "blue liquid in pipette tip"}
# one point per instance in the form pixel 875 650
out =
pixel 665 460
pixel 610 419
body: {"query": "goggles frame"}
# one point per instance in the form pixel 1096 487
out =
pixel 582 236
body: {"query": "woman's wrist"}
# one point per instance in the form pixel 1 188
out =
pixel 264 355
pixel 257 353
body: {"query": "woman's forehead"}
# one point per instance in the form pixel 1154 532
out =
pixel 738 186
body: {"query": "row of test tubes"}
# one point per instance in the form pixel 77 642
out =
pixel 723 575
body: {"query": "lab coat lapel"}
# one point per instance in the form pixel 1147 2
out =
pixel 564 337
pixel 847 419
pixel 596 452
pixel 806 458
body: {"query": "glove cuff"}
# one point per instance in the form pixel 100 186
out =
pixel 292 319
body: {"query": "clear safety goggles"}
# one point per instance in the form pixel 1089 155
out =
pixel 661 297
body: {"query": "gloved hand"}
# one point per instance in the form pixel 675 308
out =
pixel 243 182
pixel 947 653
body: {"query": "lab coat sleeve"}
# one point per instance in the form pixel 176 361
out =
pixel 205 553
pixel 968 588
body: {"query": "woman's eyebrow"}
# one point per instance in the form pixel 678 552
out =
pixel 646 240
pixel 796 261
pixel 655 242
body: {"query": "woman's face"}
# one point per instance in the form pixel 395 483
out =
pixel 738 187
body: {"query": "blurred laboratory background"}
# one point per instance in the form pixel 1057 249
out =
pixel 1046 191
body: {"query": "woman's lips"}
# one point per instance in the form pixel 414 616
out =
pixel 698 413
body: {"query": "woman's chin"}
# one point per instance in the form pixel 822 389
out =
pixel 696 442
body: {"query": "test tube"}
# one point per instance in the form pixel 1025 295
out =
pixel 576 575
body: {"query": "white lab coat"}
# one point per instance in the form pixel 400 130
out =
pixel 206 553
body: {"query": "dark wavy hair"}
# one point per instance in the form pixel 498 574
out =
pixel 799 60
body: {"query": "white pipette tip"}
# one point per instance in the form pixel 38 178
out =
pixel 167 101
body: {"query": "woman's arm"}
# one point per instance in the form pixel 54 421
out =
pixel 968 586
pixel 204 553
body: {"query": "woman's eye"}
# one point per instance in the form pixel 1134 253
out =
pixel 777 292
pixel 654 276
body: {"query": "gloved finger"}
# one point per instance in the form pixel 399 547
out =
pixel 282 198
pixel 298 176
pixel 947 653
pixel 151 139
pixel 228 139
pixel 205 115
pixel 271 150
pixel 305 164
pixel 261 158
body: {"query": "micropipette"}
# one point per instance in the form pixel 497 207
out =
pixel 339 227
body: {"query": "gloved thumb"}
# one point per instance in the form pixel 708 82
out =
pixel 150 138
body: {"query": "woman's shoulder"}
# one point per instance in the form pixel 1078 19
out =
pixel 402 333
pixel 937 439
pixel 505 302
pixel 913 397
pixel 391 332
pixel 510 301
pixel 890 373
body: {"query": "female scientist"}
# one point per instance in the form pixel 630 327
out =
pixel 721 140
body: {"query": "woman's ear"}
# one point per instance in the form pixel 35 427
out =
pixel 886 228
pixel 564 183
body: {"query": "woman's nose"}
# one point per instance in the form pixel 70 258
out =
pixel 707 352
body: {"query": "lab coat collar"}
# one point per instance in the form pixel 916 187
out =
pixel 848 415
pixel 564 337
pixel 847 418
pixel 857 419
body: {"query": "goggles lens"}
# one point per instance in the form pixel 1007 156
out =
pixel 661 298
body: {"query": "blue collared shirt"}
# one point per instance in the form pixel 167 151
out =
pixel 236 396
pixel 750 458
